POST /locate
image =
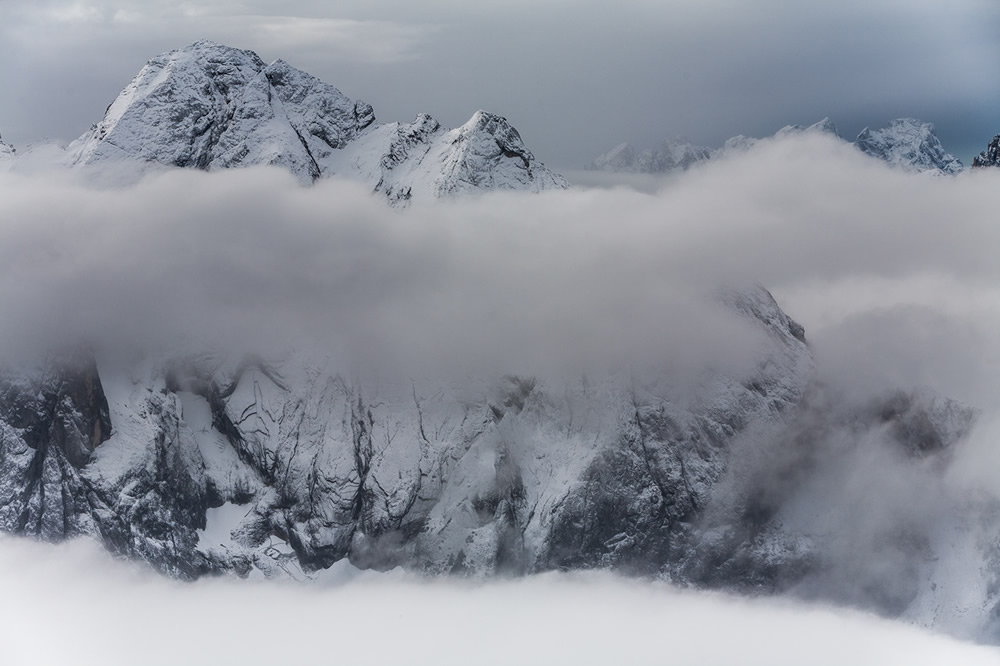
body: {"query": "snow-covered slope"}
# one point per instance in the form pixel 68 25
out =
pixel 908 144
pixel 825 126
pixel 422 160
pixel 989 157
pixel 212 106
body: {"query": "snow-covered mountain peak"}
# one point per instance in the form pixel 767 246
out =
pixel 824 126
pixel 673 154
pixel 909 144
pixel 211 106
pixel 484 124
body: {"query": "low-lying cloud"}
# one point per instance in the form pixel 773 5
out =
pixel 892 274
pixel 73 604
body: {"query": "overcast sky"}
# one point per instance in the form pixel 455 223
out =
pixel 574 76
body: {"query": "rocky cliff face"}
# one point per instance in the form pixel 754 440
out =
pixel 200 464
pixel 423 160
pixel 908 144
pixel 989 157
pixel 210 107
pixel 825 126
pixel 51 421
pixel 205 464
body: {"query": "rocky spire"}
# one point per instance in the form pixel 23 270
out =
pixel 989 157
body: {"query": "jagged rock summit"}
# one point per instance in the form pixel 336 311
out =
pixel 825 126
pixel 909 144
pixel 6 150
pixel 211 106
pixel 989 157
pixel 201 465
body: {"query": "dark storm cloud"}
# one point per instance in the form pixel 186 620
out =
pixel 574 77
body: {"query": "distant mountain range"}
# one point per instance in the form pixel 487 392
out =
pixel 211 106
pixel 905 143
pixel 989 157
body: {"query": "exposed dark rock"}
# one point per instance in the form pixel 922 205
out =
pixel 989 157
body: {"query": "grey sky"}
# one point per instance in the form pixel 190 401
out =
pixel 575 77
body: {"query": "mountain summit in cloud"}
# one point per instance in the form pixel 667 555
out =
pixel 905 143
pixel 679 154
pixel 909 144
pixel 675 154
pixel 210 106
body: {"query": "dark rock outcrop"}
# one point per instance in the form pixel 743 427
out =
pixel 989 157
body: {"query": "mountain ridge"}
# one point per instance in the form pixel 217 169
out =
pixel 210 106
pixel 905 143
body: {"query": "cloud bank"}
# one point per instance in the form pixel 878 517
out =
pixel 894 276
pixel 72 604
